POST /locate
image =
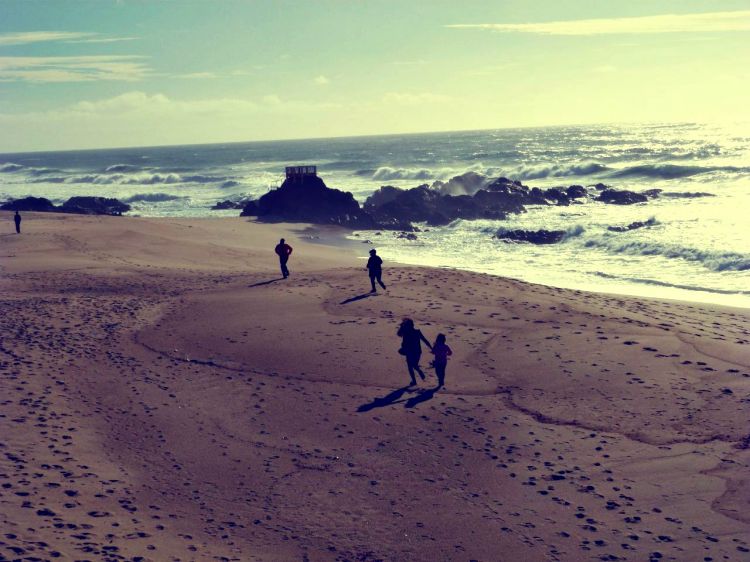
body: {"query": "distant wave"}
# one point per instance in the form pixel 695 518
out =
pixel 670 285
pixel 229 183
pixel 573 232
pixel 685 195
pixel 669 171
pixel 715 261
pixel 120 168
pixel 53 179
pixel 558 171
pixel 10 167
pixel 144 179
pixel 152 197
pixel 385 173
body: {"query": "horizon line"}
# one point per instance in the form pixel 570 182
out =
pixel 364 136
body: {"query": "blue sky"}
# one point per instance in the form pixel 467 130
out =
pixel 103 73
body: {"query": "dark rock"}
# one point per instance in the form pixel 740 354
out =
pixel 600 186
pixel 576 191
pixel 93 206
pixel 222 205
pixel 531 236
pixel 393 206
pixel 617 197
pixel 557 195
pixel 29 204
pixel 633 225
pixel 407 235
pixel 652 193
pixel 308 199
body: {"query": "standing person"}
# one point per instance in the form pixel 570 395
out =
pixel 283 250
pixel 375 268
pixel 17 220
pixel 441 351
pixel 411 347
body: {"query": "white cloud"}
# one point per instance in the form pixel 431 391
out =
pixel 197 75
pixel 668 23
pixel 73 69
pixel 407 98
pixel 321 80
pixel 27 37
pixel 104 40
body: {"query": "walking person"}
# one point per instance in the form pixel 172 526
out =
pixel 441 351
pixel 17 219
pixel 283 250
pixel 375 269
pixel 411 347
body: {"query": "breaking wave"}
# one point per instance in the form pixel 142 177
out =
pixel 144 179
pixel 120 168
pixel 669 171
pixel 10 167
pixel 152 197
pixel 557 171
pixel 685 195
pixel 715 261
pixel 385 173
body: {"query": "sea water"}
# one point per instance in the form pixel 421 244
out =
pixel 697 247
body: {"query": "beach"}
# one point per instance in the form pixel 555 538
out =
pixel 165 396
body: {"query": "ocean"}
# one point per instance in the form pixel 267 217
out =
pixel 697 247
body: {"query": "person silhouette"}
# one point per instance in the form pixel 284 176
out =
pixel 411 347
pixel 441 351
pixel 17 220
pixel 283 250
pixel 375 268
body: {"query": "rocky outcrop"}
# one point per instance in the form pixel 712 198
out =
pixel 576 191
pixel 426 204
pixel 93 206
pixel 531 236
pixel 632 225
pixel 78 205
pixel 617 197
pixel 224 205
pixel 308 199
pixel 39 204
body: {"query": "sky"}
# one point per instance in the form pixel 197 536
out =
pixel 109 73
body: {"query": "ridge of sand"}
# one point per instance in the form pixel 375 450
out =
pixel 164 396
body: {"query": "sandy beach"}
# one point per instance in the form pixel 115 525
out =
pixel 165 396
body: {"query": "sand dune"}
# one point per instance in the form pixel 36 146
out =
pixel 164 396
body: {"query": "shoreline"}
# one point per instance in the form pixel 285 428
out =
pixel 344 238
pixel 166 394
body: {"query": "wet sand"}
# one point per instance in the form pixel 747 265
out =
pixel 165 396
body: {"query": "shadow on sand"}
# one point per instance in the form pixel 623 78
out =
pixel 423 396
pixel 358 298
pixel 391 398
pixel 266 282
pixel 395 396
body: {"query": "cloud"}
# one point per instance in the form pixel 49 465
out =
pixel 406 98
pixel 27 37
pixel 74 68
pixel 668 23
pixel 321 80
pixel 104 40
pixel 197 75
